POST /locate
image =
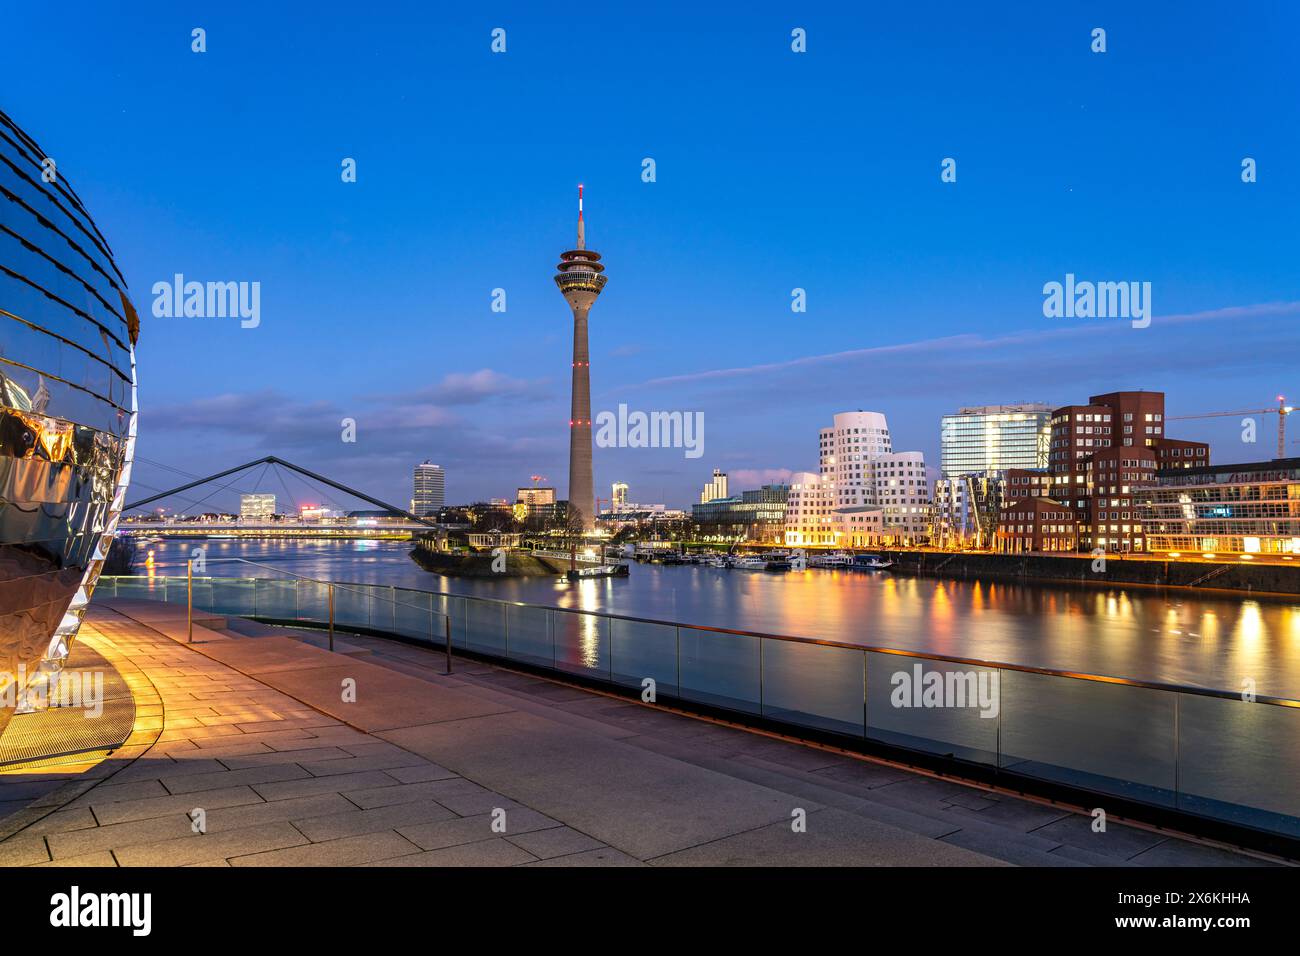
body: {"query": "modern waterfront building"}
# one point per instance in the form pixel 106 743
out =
pixel 902 491
pixel 580 280
pixel 429 490
pixel 985 438
pixel 714 488
pixel 810 514
pixel 860 469
pixel 757 516
pixel 1101 454
pixel 1037 524
pixel 847 449
pixel 813 520
pixel 965 509
pixel 256 507
pixel 67 410
pixel 1241 509
pixel 618 496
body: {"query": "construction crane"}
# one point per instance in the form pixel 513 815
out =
pixel 1282 411
pixel 536 479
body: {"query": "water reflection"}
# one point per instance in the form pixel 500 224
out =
pixel 1176 636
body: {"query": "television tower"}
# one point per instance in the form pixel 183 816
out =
pixel 580 281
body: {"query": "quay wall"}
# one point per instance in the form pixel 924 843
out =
pixel 1222 575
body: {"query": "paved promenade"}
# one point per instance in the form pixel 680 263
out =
pixel 255 748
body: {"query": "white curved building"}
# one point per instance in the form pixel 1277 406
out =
pixel 866 495
pixel 847 449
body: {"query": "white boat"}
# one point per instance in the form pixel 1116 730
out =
pixel 871 562
pixel 840 559
pixel 750 564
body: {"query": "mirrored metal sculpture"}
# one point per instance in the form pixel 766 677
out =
pixel 67 414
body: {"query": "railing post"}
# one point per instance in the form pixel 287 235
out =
pixel 1178 754
pixel 331 603
pixel 447 619
pixel 189 600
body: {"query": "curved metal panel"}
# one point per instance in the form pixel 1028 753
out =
pixel 67 416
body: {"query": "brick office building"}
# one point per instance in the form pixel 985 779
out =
pixel 1099 454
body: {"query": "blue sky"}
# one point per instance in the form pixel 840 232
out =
pixel 775 170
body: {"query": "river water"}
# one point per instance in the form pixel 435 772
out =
pixel 1214 641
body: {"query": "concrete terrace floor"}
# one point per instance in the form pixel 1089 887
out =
pixel 250 734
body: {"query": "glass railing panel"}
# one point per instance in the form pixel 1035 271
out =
pixel 721 670
pixel 351 605
pixel 106 587
pixel 1111 738
pixel 933 706
pixel 485 627
pixel 413 616
pixel 814 685
pixel 229 596
pixel 173 590
pixel 204 598
pixel 581 643
pixel 275 599
pixel 313 602
pixel 640 651
pixel 1240 761
pixel 528 635
pixel 454 608
pixel 381 605
pixel 141 588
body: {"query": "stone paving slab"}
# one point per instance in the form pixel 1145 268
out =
pixel 832 838
pixel 624 796
pixel 491 852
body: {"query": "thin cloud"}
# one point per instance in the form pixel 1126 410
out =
pixel 473 388
pixel 972 341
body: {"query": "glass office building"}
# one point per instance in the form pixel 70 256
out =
pixel 1251 508
pixel 989 438
pixel 757 516
pixel 429 492
pixel 67 412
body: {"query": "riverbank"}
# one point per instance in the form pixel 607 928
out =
pixel 1241 576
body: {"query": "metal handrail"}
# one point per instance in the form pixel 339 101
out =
pixel 331 585
pixel 901 652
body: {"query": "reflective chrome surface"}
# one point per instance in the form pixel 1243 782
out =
pixel 67 412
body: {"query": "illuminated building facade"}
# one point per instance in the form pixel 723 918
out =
pixel 1242 509
pixel 67 413
pixel 994 438
pixel 757 516
pixel 1101 455
pixel 715 487
pixel 256 507
pixel 429 491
